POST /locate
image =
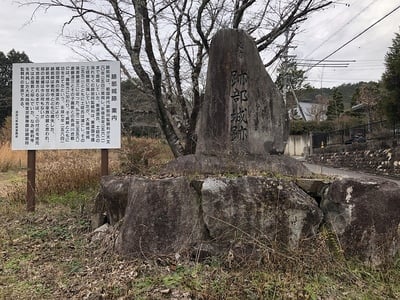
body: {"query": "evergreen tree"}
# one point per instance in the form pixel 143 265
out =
pixel 391 81
pixel 335 106
pixel 6 62
pixel 291 74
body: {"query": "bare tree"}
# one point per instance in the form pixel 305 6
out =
pixel 164 43
pixel 369 95
pixel 317 111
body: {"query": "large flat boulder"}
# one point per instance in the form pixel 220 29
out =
pixel 212 215
pixel 111 202
pixel 244 165
pixel 266 209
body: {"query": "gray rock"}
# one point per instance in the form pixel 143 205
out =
pixel 100 233
pixel 111 202
pixel 162 217
pixel 243 112
pixel 258 209
pixel 103 228
pixel 313 186
pixel 365 216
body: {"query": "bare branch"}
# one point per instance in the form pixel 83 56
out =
pixel 165 123
pixel 199 25
pixel 281 50
pixel 296 15
pixel 239 11
pixel 166 42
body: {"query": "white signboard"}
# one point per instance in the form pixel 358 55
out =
pixel 66 106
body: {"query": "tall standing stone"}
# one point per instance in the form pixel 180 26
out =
pixel 243 112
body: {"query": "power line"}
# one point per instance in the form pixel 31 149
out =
pixel 330 60
pixel 340 28
pixel 329 63
pixel 325 65
pixel 357 36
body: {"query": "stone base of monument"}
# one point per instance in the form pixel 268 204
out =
pixel 364 214
pixel 197 216
pixel 240 165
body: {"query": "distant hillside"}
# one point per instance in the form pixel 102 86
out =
pixel 309 94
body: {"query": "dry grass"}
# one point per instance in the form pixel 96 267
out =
pixel 59 172
pixel 62 171
pixel 143 155
pixel 11 160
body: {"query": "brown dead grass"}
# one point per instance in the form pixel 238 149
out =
pixel 11 160
pixel 61 171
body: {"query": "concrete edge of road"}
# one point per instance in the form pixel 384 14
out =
pixel 345 173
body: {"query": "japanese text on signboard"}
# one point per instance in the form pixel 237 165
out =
pixel 66 105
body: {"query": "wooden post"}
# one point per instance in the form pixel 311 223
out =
pixel 31 184
pixel 104 162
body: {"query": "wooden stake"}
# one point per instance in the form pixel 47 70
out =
pixel 104 162
pixel 31 182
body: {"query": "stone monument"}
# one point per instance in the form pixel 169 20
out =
pixel 243 124
pixel 243 112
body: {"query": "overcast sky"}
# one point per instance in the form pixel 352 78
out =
pixel 322 34
pixel 332 28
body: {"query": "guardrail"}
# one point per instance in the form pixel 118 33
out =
pixel 381 130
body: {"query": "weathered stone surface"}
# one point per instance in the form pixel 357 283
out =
pixel 366 218
pixel 243 112
pixel 162 217
pixel 178 215
pixel 266 209
pixel 111 201
pixel 202 164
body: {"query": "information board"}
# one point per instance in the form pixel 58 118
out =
pixel 66 106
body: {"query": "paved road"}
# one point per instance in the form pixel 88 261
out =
pixel 319 169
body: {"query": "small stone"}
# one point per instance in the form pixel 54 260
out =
pixel 165 291
pixel 103 228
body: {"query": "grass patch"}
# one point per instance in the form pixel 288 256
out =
pixel 11 160
pixel 73 199
pixel 143 155
pixel 58 172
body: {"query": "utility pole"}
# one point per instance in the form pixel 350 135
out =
pixel 285 66
pixel 298 104
pixel 287 84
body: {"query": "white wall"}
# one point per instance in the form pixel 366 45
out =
pixel 297 145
